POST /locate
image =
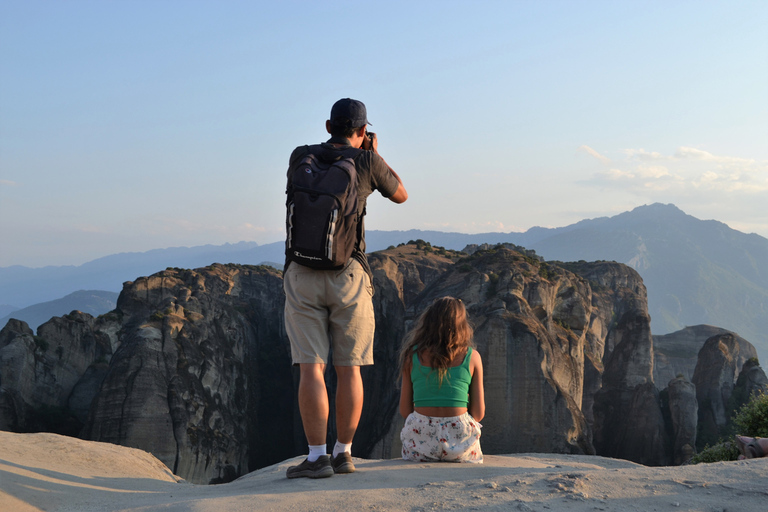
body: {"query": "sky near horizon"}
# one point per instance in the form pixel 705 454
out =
pixel 135 125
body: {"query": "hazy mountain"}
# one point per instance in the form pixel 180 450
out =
pixel 22 286
pixel 696 271
pixel 93 302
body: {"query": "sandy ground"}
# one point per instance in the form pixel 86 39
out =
pixel 55 473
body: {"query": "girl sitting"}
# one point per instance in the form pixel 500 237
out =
pixel 442 394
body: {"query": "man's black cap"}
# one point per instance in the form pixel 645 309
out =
pixel 349 113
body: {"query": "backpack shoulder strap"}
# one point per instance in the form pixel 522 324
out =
pixel 333 155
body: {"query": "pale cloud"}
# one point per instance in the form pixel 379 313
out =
pixel 8 183
pixel 653 171
pixel 247 226
pixel 641 154
pixel 595 154
pixel 685 171
pixel 615 174
pixel 697 154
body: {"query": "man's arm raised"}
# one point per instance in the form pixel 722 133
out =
pixel 371 142
pixel 400 194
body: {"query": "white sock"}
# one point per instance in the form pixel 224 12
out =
pixel 315 452
pixel 341 448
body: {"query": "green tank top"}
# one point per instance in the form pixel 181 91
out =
pixel 453 392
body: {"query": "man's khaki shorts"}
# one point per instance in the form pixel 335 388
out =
pixel 325 308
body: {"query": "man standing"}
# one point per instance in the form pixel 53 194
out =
pixel 332 307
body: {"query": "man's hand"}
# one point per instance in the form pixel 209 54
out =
pixel 371 142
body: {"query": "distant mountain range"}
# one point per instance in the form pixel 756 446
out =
pixel 696 271
pixel 93 302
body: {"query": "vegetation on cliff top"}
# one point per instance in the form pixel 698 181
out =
pixel 750 420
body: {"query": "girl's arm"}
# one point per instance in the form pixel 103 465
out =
pixel 476 407
pixel 406 394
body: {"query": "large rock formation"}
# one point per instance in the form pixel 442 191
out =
pixel 677 353
pixel 626 412
pixel 48 381
pixel 752 381
pixel 714 378
pixel 543 333
pixel 194 365
pixel 202 375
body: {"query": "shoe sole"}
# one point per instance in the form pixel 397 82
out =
pixel 347 467
pixel 323 473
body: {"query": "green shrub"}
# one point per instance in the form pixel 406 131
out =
pixel 752 419
pixel 493 285
pixel 547 272
pixel 719 452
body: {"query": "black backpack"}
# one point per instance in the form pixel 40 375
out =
pixel 322 221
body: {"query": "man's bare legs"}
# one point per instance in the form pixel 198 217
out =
pixel 313 402
pixel 349 402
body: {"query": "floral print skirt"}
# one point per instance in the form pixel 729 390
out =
pixel 434 439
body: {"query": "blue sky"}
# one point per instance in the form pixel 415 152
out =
pixel 136 125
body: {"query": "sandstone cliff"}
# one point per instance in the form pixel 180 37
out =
pixel 544 333
pixel 202 377
pixel 58 370
pixel 626 412
pixel 714 378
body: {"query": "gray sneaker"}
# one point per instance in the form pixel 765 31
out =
pixel 321 468
pixel 342 463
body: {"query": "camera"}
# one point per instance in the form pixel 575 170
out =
pixel 369 143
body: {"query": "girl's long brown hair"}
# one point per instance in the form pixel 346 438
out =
pixel 442 331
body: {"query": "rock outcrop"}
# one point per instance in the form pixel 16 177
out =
pixel 626 413
pixel 48 381
pixel 530 324
pixel 677 353
pixel 714 378
pixel 752 381
pixel 544 332
pixel 202 373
